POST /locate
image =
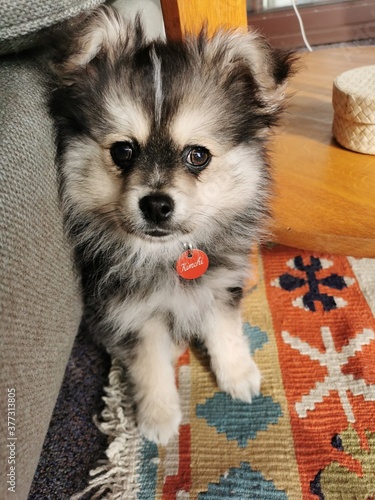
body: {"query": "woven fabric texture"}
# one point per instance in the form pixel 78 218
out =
pixel 310 434
pixel 353 100
pixel 39 301
pixel 354 95
pixel 21 19
pixel 355 136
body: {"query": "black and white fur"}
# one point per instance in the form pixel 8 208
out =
pixel 166 104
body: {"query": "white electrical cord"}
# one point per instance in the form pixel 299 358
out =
pixel 301 26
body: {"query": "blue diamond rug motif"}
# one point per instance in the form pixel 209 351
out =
pixel 257 337
pixel 243 484
pixel 238 420
pixel 148 469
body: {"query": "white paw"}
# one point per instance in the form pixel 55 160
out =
pixel 158 421
pixel 241 380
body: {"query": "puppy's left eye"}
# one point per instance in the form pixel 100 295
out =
pixel 196 158
pixel 123 153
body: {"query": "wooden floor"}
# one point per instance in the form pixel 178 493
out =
pixel 325 195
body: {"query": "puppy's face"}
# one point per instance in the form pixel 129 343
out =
pixel 166 141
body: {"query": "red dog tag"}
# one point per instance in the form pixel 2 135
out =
pixel 192 264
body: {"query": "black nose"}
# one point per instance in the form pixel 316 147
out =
pixel 156 208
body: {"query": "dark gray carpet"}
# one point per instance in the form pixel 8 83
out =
pixel 73 444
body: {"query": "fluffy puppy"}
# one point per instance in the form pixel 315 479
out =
pixel 161 152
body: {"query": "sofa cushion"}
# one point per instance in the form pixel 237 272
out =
pixel 22 21
pixel 40 302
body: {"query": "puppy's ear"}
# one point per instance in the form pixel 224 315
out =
pixel 100 33
pixel 249 52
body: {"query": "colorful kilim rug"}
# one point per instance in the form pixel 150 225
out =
pixel 311 432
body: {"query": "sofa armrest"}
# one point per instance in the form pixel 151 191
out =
pixel 40 303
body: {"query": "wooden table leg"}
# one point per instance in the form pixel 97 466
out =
pixel 188 16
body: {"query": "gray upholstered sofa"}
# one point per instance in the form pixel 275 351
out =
pixel 40 303
pixel 39 300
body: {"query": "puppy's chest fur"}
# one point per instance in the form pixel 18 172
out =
pixel 121 298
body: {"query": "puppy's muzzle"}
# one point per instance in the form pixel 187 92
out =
pixel 157 209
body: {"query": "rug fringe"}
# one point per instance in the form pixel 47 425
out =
pixel 116 476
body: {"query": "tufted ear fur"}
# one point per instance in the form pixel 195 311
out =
pixel 101 33
pixel 95 44
pixel 105 34
pixel 248 55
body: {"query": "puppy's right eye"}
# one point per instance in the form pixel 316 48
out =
pixel 123 153
pixel 196 158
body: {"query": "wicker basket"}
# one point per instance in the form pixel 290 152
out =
pixel 353 100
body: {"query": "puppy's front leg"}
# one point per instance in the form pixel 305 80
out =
pixel 151 369
pixel 236 372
